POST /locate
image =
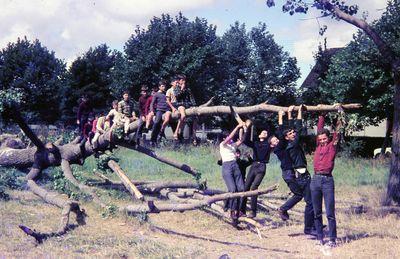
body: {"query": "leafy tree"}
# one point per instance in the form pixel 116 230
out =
pixel 170 46
pixel 390 57
pixel 90 74
pixel 32 78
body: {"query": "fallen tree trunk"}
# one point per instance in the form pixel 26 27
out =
pixel 125 180
pixel 154 207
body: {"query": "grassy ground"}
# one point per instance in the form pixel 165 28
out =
pixel 196 234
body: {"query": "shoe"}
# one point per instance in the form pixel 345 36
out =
pixel 251 215
pixel 319 242
pixel 242 214
pixel 283 214
pixel 331 244
pixel 310 232
pixel 234 214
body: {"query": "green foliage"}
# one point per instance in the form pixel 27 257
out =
pixel 109 211
pixel 103 159
pixel 170 46
pixel 63 185
pixel 90 74
pixel 33 78
pixel 10 178
pixel 352 148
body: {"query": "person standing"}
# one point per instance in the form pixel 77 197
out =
pixel 230 170
pixel 322 183
pixel 144 96
pixel 261 154
pixel 159 107
pixel 83 112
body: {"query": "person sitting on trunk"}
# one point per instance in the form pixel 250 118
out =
pixel 184 100
pixel 126 108
pixel 142 112
pixel 83 112
pixel 149 114
pixel 114 116
pixel 101 126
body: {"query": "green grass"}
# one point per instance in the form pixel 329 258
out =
pixel 348 171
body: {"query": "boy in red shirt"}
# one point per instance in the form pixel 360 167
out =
pixel 322 185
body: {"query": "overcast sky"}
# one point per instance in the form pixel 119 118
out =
pixel 71 27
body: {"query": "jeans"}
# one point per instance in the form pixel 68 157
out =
pixel 291 181
pixel 233 180
pixel 156 126
pixel 303 182
pixel 253 181
pixel 140 129
pixel 324 187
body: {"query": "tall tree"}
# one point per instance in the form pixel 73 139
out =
pixel 90 74
pixel 31 71
pixel 176 45
pixel 390 57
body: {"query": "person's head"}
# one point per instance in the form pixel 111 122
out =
pixel 91 117
pixel 125 96
pixel 273 141
pixel 154 90
pixel 238 153
pixel 290 134
pixel 115 104
pixel 143 90
pixel 162 85
pixel 323 137
pixel 263 135
pixel 182 79
pixel 174 81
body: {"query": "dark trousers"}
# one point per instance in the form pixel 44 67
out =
pixel 141 124
pixel 156 126
pixel 253 181
pixel 324 187
pixel 303 181
pixel 290 178
pixel 233 180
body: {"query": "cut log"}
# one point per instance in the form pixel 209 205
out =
pixel 125 180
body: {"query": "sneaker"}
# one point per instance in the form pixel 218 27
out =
pixel 283 214
pixel 331 244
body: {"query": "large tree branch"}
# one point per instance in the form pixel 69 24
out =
pixel 154 207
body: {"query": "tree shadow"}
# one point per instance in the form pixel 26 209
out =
pixel 192 236
pixel 41 237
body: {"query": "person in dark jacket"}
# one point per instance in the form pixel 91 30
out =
pixel 159 107
pixel 288 173
pixel 261 154
pixel 294 151
pixel 144 96
pixel 83 113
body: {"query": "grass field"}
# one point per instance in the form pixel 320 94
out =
pixel 195 234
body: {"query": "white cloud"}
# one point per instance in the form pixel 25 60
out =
pixel 70 27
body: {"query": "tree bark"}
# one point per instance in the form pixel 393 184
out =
pixel 125 180
pixel 154 207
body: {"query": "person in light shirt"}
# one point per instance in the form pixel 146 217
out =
pixel 230 170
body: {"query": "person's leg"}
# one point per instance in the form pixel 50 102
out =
pixel 167 117
pixel 149 120
pixel 156 126
pixel 305 180
pixel 127 121
pixel 316 195
pixel 259 176
pixel 94 140
pixel 328 191
pixel 247 184
pixel 289 178
pixel 227 175
pixel 181 122
pixel 237 176
pixel 140 127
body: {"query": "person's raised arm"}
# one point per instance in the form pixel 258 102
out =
pixel 232 134
pixel 339 124
pixel 279 132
